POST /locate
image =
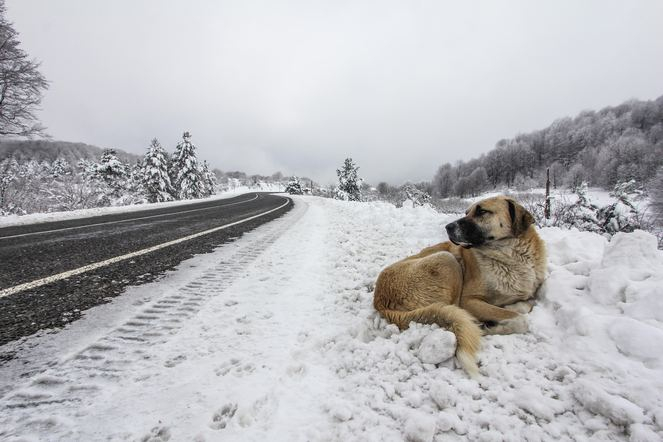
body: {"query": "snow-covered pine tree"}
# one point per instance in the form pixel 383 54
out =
pixel 582 214
pixel 349 183
pixel 111 172
pixel 154 174
pixel 209 180
pixel 294 187
pixel 622 215
pixel 188 183
pixel 134 191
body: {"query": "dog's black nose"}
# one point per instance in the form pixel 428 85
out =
pixel 449 227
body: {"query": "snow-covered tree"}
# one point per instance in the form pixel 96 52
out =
pixel 112 172
pixel 8 172
pixel 72 192
pixel 622 215
pixel 60 167
pixel 134 190
pixel 294 187
pixel 209 180
pixel 188 183
pixel 417 196
pixel 349 183
pixel 656 193
pixel 477 180
pixel 154 174
pixel 582 214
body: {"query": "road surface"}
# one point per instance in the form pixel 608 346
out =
pixel 51 272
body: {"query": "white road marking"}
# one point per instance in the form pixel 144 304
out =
pixel 127 220
pixel 64 275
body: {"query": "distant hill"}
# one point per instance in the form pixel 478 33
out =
pixel 40 150
pixel 615 144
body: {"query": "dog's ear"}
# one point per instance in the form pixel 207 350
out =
pixel 521 219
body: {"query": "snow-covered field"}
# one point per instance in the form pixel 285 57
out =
pixel 274 337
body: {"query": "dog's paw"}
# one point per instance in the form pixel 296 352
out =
pixel 518 324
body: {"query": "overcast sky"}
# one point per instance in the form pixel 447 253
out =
pixel 296 86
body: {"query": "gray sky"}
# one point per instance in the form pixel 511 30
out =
pixel 296 86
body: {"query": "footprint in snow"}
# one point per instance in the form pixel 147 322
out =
pixel 174 361
pixel 157 434
pixel 222 417
pixel 243 319
pixel 235 367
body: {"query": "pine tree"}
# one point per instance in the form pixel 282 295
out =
pixel 154 174
pixel 188 183
pixel 209 180
pixel 112 173
pixel 294 187
pixel 349 183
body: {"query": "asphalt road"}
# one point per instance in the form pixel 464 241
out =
pixel 33 252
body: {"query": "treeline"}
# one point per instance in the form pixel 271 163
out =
pixel 276 181
pixel 48 151
pixel 614 145
pixel 30 182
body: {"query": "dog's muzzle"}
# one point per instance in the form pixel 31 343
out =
pixel 454 234
pixel 465 233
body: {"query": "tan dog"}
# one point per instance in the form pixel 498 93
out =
pixel 495 259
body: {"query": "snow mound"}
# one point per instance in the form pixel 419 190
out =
pixel 438 346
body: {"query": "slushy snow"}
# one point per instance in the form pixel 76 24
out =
pixel 274 337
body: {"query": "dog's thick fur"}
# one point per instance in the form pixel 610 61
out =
pixel 495 259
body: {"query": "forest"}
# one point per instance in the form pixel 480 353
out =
pixel 603 148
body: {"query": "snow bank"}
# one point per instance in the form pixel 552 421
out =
pixel 590 368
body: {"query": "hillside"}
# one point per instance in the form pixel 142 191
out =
pixel 46 150
pixel 603 148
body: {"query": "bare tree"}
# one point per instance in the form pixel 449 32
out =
pixel 21 84
pixel 657 196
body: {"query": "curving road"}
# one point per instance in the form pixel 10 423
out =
pixel 50 272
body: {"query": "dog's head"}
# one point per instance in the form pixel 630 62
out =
pixel 490 220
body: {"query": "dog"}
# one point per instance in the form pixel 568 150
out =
pixel 488 272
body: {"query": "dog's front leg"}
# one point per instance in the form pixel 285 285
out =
pixel 486 312
pixel 506 321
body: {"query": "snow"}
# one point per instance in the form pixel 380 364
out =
pixel 274 337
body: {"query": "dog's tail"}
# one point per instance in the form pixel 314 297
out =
pixel 455 319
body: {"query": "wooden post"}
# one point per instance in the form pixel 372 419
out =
pixel 547 206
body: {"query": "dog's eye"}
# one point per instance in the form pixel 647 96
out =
pixel 479 211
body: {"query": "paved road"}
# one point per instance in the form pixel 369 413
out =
pixel 32 253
